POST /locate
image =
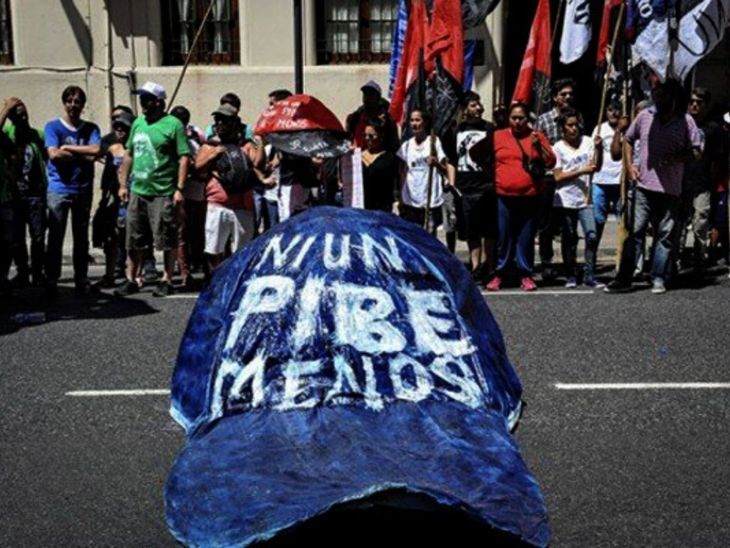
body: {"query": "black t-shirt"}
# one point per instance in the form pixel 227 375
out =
pixel 472 177
pixel 379 180
pixel 698 174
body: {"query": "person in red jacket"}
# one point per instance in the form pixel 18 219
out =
pixel 519 154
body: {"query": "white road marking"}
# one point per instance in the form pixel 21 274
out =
pixel 183 296
pixel 511 292
pixel 644 386
pixel 104 393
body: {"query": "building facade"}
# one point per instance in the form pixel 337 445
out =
pixel 110 46
pixel 247 47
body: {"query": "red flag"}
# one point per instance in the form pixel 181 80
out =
pixel 445 38
pixel 603 36
pixel 537 63
pixel 408 67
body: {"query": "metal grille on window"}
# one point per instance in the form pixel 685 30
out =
pixel 351 31
pixel 219 42
pixel 6 38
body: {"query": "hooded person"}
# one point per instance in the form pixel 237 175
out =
pixel 343 371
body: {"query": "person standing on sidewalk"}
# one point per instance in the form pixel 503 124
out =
pixel 548 123
pixel 700 179
pixel 520 157
pixel 158 156
pixel 668 138
pixel 32 184
pixel 73 145
pixel 577 158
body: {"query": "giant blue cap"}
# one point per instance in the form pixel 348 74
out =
pixel 342 355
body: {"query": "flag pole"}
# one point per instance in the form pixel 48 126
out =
pixel 604 91
pixel 190 51
pixel 614 39
pixel 432 152
pixel 626 220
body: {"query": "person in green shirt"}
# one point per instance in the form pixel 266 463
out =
pixel 157 160
pixel 31 184
pixel 7 194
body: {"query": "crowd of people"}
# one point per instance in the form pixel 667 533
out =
pixel 198 195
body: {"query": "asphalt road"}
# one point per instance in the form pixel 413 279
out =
pixel 640 467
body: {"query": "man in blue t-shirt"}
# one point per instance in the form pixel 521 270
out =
pixel 73 144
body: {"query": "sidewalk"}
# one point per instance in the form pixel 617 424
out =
pixel 606 254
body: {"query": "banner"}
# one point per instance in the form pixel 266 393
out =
pixel 533 83
pixel 475 11
pixel 399 37
pixel 700 30
pixel 576 35
pixel 604 35
pixel 340 355
pixel 352 185
pixel 701 27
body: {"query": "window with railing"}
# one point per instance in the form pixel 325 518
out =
pixel 351 31
pixel 6 34
pixel 219 42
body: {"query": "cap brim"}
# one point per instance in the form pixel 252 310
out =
pixel 258 473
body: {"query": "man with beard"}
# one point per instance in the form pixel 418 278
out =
pixel 158 156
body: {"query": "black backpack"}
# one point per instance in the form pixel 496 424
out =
pixel 235 171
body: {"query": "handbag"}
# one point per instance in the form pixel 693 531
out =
pixel 534 166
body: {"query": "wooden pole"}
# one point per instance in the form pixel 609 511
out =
pixel 604 91
pixel 190 52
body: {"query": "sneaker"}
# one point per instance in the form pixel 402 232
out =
pixel 548 273
pixel 495 284
pixel 528 284
pixel 479 274
pixel 151 275
pixel 590 281
pixel 105 282
pixel 127 288
pixel 657 287
pixel 617 286
pixel 571 283
pixel 84 289
pixel 163 289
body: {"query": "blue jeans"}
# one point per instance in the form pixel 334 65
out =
pixel 660 210
pixel 266 211
pixel 605 196
pixel 517 220
pixel 569 219
pixel 59 206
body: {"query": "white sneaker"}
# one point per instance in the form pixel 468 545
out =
pixel 571 283
pixel 657 287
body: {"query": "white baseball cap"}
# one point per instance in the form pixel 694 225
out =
pixel 152 88
pixel 726 117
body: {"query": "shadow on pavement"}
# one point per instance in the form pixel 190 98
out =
pixel 67 306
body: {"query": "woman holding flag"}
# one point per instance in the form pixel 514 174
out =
pixel 419 154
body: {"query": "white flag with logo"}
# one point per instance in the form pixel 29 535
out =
pixel 701 28
pixel 576 34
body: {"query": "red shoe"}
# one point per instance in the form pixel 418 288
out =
pixel 495 284
pixel 528 284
